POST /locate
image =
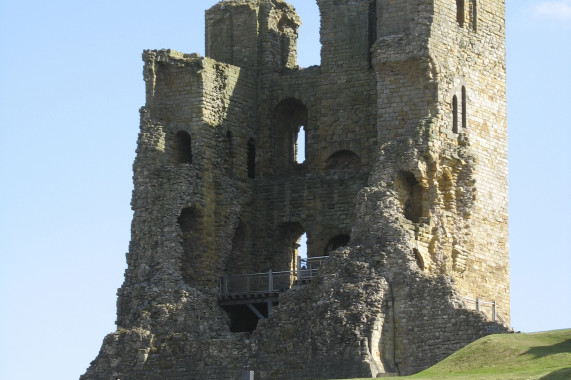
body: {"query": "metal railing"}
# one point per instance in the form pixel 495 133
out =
pixel 270 282
pixel 256 283
pixel 307 268
pixel 488 308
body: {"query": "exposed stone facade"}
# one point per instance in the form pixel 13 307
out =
pixel 406 156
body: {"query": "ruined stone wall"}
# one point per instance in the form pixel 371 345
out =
pixel 455 138
pixel 205 100
pixel 403 187
pixel 253 34
pixel 470 51
pixel 346 37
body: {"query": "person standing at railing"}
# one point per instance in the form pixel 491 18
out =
pixel 303 273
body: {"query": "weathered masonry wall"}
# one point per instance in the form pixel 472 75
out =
pixel 403 189
pixel 476 76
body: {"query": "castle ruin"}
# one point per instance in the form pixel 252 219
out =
pixel 402 195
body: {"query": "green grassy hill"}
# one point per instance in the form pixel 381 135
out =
pixel 545 355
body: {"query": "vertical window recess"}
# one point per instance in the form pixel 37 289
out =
pixel 460 12
pixel 464 115
pixel 372 20
pixel 183 148
pixel 455 114
pixel 300 146
pixel 252 158
pixel 302 246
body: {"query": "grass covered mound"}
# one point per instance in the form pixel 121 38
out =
pixel 545 355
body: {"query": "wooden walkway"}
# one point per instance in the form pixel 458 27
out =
pixel 265 288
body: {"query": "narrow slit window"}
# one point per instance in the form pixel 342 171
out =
pixel 460 12
pixel 300 146
pixel 252 158
pixel 464 115
pixel 474 15
pixel 455 114
pixel 302 246
pixel 372 19
pixel 303 264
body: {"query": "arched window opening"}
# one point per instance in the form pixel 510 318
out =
pixel 464 116
pixel 307 267
pixel 302 263
pixel 410 196
pixel 302 246
pixel 372 29
pixel 189 222
pixel 344 161
pixel 252 158
pixel 290 133
pixel 288 245
pixel 299 147
pixel 460 12
pixel 183 148
pixel 455 114
pixel 308 42
pixel 337 242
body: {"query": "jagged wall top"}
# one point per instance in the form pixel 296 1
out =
pixel 253 33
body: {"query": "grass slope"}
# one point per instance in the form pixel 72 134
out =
pixel 545 356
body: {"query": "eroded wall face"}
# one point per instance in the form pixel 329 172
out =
pixel 403 186
pixel 442 123
pixel 471 172
pixel 476 76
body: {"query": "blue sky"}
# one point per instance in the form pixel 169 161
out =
pixel 70 89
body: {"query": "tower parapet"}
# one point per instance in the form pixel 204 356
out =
pixel 253 33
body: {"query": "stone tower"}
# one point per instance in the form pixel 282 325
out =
pixel 402 196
